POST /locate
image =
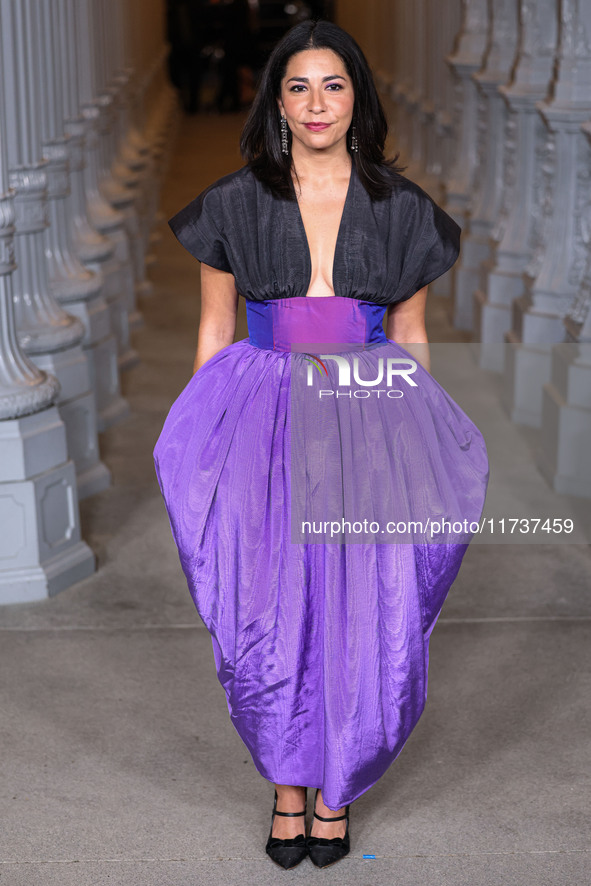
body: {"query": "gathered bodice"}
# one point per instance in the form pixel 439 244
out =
pixel 386 250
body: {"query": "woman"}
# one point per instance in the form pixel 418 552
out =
pixel 320 635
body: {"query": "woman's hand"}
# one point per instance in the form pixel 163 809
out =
pixel 219 306
pixel 405 324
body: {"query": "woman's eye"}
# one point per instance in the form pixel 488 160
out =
pixel 334 87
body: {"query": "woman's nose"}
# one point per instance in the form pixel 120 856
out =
pixel 316 100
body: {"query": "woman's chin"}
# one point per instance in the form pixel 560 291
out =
pixel 321 141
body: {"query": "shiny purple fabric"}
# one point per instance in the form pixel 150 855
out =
pixel 283 323
pixel 322 649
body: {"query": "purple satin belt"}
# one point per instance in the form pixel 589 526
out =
pixel 279 324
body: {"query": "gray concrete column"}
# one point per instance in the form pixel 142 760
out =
pixel 465 61
pixel 73 285
pixel 402 81
pixel 160 130
pixel 501 277
pixel 49 335
pixel 133 171
pixel 442 21
pixel 102 215
pixel 560 255
pixel 95 251
pixel 442 136
pixel 415 94
pixel 153 146
pixel 450 20
pixel 135 148
pixel 563 456
pixel 383 68
pixel 488 173
pixel 387 73
pixel 119 193
pixel 433 53
pixel 159 102
pixel 135 166
pixel 133 161
pixel 40 547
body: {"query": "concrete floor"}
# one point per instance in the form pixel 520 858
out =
pixel 119 761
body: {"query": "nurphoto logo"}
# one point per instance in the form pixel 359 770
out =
pixel 388 370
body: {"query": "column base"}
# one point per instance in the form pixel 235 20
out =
pixel 527 369
pixel 566 423
pixel 491 323
pixel 467 281
pixel 104 372
pixel 41 551
pixel 118 278
pixel 128 360
pixel 77 406
pixel 31 444
pixel 564 459
pixel 117 411
pixel 41 582
pixel 95 479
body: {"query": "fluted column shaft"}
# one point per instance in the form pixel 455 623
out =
pixel 42 324
pixel 41 551
pixel 465 61
pixel 107 220
pixel 415 94
pixel 120 182
pixel 71 283
pixel 488 173
pixel 95 250
pixel 445 141
pixel 563 456
pixel 24 388
pixel 559 259
pixel 502 278
pixel 402 83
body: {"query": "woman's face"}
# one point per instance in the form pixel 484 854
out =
pixel 317 98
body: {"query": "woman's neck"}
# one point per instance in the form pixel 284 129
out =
pixel 321 166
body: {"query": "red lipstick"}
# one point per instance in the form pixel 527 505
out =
pixel 316 127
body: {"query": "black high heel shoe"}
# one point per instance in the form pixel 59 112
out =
pixel 324 851
pixel 289 852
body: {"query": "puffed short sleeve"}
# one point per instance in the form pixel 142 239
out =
pixel 432 245
pixel 199 227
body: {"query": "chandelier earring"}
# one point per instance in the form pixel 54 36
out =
pixel 284 142
pixel 354 140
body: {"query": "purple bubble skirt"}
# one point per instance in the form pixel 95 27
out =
pixel 321 647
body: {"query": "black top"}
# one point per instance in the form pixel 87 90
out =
pixel 386 249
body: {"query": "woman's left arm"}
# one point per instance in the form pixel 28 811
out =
pixel 405 324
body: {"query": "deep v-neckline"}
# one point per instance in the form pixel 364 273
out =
pixel 307 251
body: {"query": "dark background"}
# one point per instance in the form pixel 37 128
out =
pixel 219 47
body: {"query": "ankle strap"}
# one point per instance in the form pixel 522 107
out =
pixel 338 817
pixel 276 812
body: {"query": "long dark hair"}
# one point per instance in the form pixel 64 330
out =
pixel 260 143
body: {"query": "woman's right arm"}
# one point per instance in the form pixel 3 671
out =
pixel 219 306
